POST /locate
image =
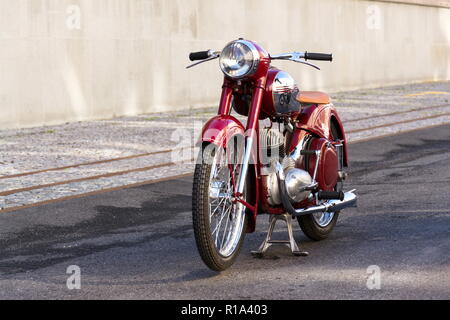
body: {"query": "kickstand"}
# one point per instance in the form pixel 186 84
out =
pixel 291 243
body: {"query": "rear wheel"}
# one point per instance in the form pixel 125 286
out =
pixel 219 222
pixel 318 226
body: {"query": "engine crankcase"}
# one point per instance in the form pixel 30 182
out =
pixel 295 179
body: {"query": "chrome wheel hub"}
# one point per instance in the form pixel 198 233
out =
pixel 323 219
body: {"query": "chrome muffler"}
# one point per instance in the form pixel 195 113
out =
pixel 328 206
pixel 349 200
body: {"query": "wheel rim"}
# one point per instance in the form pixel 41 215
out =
pixel 225 217
pixel 323 219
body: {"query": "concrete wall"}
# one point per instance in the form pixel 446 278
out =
pixel 69 60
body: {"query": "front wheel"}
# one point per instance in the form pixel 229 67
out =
pixel 219 222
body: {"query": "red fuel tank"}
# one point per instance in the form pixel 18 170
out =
pixel 280 95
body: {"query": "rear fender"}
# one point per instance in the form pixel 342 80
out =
pixel 317 119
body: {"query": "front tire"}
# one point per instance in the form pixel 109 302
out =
pixel 213 211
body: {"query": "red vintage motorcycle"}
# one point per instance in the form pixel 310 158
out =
pixel 287 161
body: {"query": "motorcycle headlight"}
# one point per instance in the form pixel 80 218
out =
pixel 239 59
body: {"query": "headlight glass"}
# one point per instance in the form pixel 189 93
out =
pixel 237 60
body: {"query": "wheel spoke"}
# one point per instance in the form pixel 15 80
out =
pixel 218 223
pixel 217 207
pixel 225 230
pixel 224 213
pixel 222 187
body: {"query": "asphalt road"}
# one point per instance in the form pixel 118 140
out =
pixel 138 242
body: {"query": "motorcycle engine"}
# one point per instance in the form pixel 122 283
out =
pixel 272 150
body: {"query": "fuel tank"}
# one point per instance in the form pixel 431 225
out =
pixel 280 95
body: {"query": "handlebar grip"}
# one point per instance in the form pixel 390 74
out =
pixel 318 56
pixel 200 55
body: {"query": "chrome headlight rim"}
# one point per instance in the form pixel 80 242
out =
pixel 255 62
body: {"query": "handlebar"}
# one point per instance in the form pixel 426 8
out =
pixel 300 57
pixel 200 55
pixel 318 56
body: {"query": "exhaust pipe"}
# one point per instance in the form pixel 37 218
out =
pixel 328 206
pixel 349 200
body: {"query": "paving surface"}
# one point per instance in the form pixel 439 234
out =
pixel 41 164
pixel 138 242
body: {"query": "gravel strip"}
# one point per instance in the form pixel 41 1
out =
pixel 42 148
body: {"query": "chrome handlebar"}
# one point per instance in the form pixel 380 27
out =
pixel 293 56
pixel 288 56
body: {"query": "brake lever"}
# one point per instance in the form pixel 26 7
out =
pixel 214 55
pixel 307 63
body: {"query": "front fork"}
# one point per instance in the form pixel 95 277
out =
pixel 251 135
pixel 251 132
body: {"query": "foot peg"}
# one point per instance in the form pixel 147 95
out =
pixel 291 243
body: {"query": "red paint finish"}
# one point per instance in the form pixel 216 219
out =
pixel 264 64
pixel 327 174
pixel 225 99
pixel 317 120
pixel 255 107
pixel 335 117
pixel 268 108
pixel 220 129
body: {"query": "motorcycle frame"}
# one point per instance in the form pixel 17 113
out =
pixel 315 119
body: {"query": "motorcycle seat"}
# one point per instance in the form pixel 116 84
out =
pixel 313 97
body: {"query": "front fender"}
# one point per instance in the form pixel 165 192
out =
pixel 219 129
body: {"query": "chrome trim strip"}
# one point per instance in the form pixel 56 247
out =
pixel 245 163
